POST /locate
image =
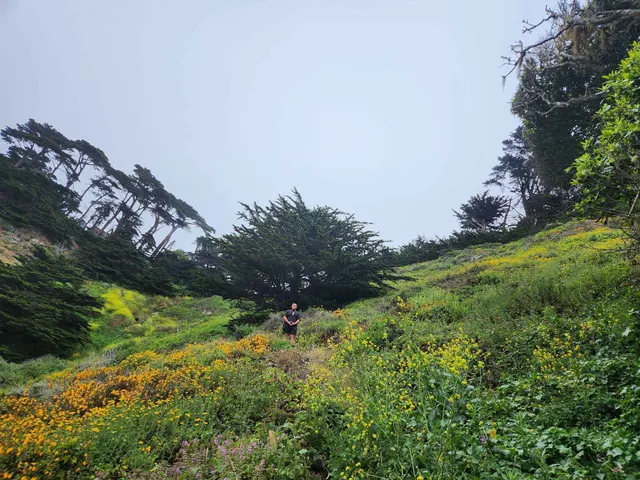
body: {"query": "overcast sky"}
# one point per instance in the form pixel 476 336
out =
pixel 392 110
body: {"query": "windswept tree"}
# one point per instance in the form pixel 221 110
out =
pixel 288 251
pixel 181 216
pixel 139 189
pixel 85 155
pixel 484 212
pixel 38 147
pixel 516 171
pixel 105 191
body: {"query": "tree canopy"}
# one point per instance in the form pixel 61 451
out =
pixel 484 212
pixel 561 75
pixel 608 174
pixel 43 309
pixel 288 252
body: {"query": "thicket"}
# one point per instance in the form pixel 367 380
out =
pixel 43 307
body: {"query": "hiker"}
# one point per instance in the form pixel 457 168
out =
pixel 291 320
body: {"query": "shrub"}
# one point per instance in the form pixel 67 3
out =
pixel 43 308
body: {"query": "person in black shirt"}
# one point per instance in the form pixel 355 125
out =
pixel 291 320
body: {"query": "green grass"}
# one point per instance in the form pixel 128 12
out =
pixel 516 361
pixel 130 323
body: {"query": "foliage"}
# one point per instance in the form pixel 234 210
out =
pixel 43 309
pixel 114 259
pixel 422 250
pixel 287 252
pixel 476 374
pixel 68 190
pixel 192 272
pixel 498 361
pixel 517 171
pixel 561 75
pixel 112 420
pixel 608 174
pixel 483 211
pixel 31 200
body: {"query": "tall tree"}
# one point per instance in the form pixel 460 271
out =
pixel 85 155
pixel 139 190
pixel 182 216
pixel 561 75
pixel 106 189
pixel 516 171
pixel 37 146
pixel 287 252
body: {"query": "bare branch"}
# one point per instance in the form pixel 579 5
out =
pixel 540 95
pixel 523 51
pixel 590 18
pixel 531 26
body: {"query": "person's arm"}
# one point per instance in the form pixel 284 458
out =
pixel 297 321
pixel 284 319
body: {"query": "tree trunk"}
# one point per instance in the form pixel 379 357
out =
pixel 75 176
pixel 150 232
pixel 164 241
pixel 85 192
pixel 91 205
pixel 56 169
pixel 506 216
pixel 126 199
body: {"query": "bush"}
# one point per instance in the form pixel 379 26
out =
pixel 20 374
pixel 43 308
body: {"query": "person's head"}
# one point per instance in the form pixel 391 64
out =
pixel 294 306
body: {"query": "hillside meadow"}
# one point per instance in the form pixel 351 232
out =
pixel 516 361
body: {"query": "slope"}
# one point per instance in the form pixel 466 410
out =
pixel 511 361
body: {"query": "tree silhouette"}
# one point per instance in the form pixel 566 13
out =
pixel 482 212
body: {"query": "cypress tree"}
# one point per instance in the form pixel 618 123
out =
pixel 43 308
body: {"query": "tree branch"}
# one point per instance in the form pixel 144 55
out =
pixel 590 18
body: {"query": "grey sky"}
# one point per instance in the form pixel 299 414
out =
pixel 392 110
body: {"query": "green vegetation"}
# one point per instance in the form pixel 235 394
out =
pixel 42 307
pixel 608 174
pixel 511 353
pixel 287 252
pixel 128 322
pixel 503 361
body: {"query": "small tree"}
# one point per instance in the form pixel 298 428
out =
pixel 418 250
pixel 608 174
pixel 516 171
pixel 483 211
pixel 43 309
pixel 287 252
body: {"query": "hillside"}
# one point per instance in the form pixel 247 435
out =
pixel 512 361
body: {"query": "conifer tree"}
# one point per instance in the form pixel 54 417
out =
pixel 288 252
pixel 43 308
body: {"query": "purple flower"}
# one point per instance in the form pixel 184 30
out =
pixel 483 439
